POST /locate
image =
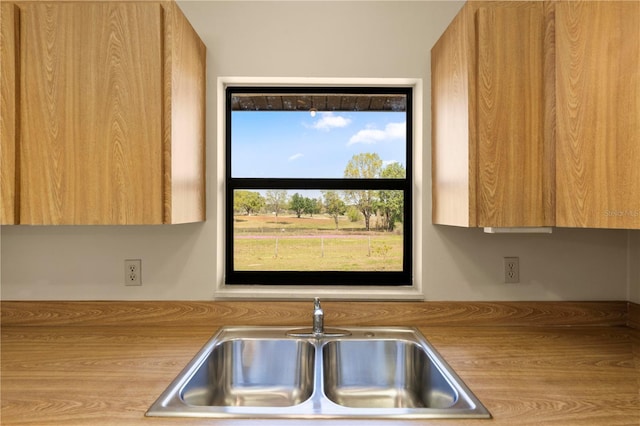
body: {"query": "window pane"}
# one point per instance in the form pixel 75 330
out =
pixel 267 142
pixel 301 230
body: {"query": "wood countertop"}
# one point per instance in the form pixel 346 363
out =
pixel 89 374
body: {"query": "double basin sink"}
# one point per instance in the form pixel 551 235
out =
pixel 276 372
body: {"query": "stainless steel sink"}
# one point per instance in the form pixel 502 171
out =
pixel 253 373
pixel 270 372
pixel 384 373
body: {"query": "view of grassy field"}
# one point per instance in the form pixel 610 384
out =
pixel 289 243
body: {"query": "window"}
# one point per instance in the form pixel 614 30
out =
pixel 318 185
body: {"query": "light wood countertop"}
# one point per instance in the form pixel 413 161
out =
pixel 92 374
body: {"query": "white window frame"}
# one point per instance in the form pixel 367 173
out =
pixel 413 292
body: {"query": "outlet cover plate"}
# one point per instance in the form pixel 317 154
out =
pixel 133 272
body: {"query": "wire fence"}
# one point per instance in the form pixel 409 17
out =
pixel 318 253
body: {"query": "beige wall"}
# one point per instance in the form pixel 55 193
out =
pixel 315 39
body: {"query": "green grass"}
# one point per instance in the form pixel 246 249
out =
pixel 313 244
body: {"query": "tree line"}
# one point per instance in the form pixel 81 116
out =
pixel 386 204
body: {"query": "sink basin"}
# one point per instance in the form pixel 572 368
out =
pixel 253 372
pixel 384 373
pixel 272 372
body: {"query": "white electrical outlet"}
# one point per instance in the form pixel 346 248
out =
pixel 512 270
pixel 133 272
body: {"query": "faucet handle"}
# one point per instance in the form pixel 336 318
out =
pixel 316 303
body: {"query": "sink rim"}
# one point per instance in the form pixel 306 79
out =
pixel 318 405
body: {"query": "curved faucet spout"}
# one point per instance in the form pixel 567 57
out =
pixel 318 317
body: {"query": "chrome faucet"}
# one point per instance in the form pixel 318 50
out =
pixel 318 317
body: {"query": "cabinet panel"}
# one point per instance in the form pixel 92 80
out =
pixel 453 128
pixel 91 113
pixel 8 99
pixel 490 149
pixel 598 113
pixel 185 98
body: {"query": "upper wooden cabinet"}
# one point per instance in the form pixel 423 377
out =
pixel 491 152
pixel 111 114
pixel 536 115
pixel 598 114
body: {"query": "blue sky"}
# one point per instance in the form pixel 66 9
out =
pixel 291 144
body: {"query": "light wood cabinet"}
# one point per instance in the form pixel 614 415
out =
pixel 111 114
pixel 598 114
pixel 491 153
pixel 536 115
pixel 8 93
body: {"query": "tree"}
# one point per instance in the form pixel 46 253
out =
pixel 276 201
pixel 334 205
pixel 314 206
pixel 247 201
pixel 363 166
pixel 353 214
pixel 298 204
pixel 310 206
pixel 392 201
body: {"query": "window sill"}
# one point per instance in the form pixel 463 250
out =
pixel 328 292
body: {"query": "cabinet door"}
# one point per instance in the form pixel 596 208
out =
pixel 598 113
pixel 514 181
pixel 91 113
pixel 8 40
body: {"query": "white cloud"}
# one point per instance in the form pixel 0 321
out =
pixel 371 136
pixel 328 121
pixel 295 156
